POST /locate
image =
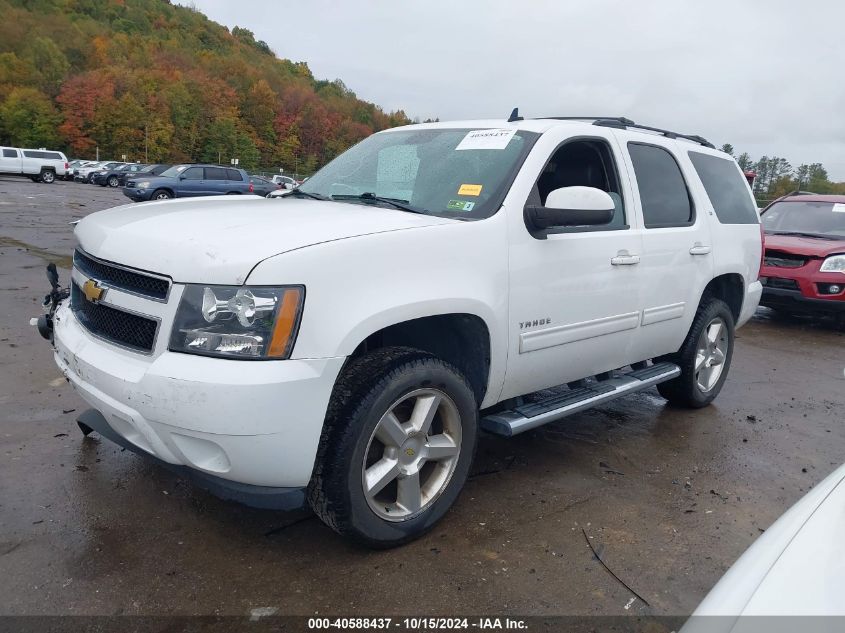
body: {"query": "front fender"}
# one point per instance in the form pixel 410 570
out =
pixel 357 286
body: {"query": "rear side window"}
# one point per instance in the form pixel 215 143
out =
pixel 45 155
pixel 726 187
pixel 215 173
pixel 10 153
pixel 663 192
pixel 234 174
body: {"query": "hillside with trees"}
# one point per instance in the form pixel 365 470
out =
pixel 163 83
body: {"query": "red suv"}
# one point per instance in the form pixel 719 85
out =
pixel 804 259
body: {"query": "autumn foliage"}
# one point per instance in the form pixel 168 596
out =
pixel 149 79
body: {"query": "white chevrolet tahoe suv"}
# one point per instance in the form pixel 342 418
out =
pixel 344 345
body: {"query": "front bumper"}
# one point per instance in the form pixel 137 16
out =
pixel 136 194
pixel 801 289
pixel 795 301
pixel 250 422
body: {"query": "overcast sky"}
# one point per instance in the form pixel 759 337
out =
pixel 764 75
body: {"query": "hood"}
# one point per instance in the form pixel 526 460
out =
pixel 809 576
pixel 220 239
pixel 808 246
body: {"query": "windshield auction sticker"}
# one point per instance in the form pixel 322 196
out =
pixel 470 190
pixel 486 139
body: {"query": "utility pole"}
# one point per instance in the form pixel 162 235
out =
pixel 146 143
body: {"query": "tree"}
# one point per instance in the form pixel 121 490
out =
pixel 50 62
pixel 28 119
pixel 728 149
pixel 744 161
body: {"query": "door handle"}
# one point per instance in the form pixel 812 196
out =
pixel 624 258
pixel 699 249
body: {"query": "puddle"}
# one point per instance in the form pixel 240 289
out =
pixel 62 261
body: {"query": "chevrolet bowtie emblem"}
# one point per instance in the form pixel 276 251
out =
pixel 92 291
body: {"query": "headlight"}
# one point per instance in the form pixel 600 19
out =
pixel 144 184
pixel 834 264
pixel 238 321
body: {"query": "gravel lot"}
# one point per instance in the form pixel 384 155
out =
pixel 669 498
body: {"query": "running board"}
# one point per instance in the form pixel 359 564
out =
pixel 530 416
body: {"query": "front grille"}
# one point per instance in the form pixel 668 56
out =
pixel 112 324
pixel 130 281
pixel 782 284
pixel 783 260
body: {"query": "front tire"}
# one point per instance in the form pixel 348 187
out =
pixel 113 181
pixel 396 448
pixel 161 194
pixel 704 358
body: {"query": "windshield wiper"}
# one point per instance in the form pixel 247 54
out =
pixel 803 234
pixel 300 192
pixel 368 196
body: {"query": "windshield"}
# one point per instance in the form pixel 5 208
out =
pixel 173 171
pixel 447 172
pixel 814 218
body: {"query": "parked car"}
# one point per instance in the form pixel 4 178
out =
pixel 262 186
pixel 86 174
pixel 73 166
pixel 185 181
pixel 345 344
pixel 795 568
pixel 101 177
pixel 117 176
pixel 285 181
pixel 37 164
pixel 804 263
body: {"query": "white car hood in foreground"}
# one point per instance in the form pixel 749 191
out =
pixel 796 568
pixel 219 240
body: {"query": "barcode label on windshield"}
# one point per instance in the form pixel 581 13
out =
pixel 486 139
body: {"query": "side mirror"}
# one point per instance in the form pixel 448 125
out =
pixel 571 206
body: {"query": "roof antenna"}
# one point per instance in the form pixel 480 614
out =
pixel 514 116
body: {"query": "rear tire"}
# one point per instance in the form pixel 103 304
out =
pixel 704 357
pixel 161 194
pixel 48 176
pixel 397 445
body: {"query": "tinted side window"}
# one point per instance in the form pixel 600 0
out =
pixel 215 173
pixel 52 155
pixel 31 154
pixel 192 173
pixel 726 188
pixel 10 153
pixel 663 192
pixel 234 174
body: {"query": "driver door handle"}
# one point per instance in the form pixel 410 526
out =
pixel 624 258
pixel 699 249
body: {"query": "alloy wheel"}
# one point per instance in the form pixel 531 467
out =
pixel 710 354
pixel 411 454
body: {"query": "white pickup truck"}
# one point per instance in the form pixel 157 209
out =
pixel 344 344
pixel 38 164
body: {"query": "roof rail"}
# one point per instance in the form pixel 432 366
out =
pixel 621 122
pixel 627 123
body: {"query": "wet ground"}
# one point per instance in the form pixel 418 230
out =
pixel 668 498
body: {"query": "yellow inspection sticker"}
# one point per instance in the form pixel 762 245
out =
pixel 469 190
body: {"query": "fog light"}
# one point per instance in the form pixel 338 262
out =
pixel 834 289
